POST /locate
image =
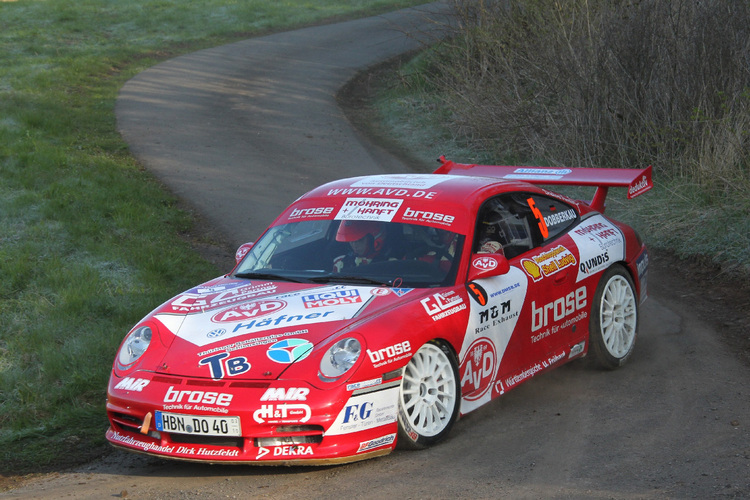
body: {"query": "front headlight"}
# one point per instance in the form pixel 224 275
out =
pixel 135 345
pixel 340 358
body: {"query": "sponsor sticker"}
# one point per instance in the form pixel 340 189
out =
pixel 560 217
pixel 411 214
pixel 294 450
pixel 310 213
pixel 364 384
pixel 248 310
pixel 216 333
pixel 443 304
pixel 221 365
pixel 332 298
pixel 639 187
pixel 402 181
pixel 197 397
pixel 389 354
pixel 538 173
pixel 282 413
pixel 200 299
pixel 375 209
pixel 290 350
pixel 559 310
pixel 293 311
pixel 599 244
pixel 366 411
pixel 376 443
pixel 548 263
pixel 484 263
pixel 285 394
pixel 132 384
pixel 478 369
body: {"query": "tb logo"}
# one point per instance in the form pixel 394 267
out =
pixel 220 367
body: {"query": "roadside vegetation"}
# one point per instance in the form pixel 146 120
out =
pixel 89 241
pixel 605 83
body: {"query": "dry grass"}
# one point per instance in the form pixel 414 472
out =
pixel 605 83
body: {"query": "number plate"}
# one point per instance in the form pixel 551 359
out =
pixel 197 424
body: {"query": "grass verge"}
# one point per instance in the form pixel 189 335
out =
pixel 89 241
pixel 700 206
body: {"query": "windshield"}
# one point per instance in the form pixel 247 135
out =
pixel 363 252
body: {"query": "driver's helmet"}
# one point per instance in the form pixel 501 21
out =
pixel 353 230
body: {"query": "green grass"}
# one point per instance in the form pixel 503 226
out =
pixel 89 241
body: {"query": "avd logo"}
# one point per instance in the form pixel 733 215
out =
pixel 485 263
pixel 478 369
pixel 249 310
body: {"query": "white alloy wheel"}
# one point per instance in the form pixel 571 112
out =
pixel 429 396
pixel 614 321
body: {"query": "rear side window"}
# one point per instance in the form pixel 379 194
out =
pixel 551 217
pixel 518 222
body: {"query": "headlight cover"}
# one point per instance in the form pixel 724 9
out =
pixel 134 346
pixel 340 358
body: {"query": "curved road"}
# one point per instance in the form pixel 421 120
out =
pixel 242 130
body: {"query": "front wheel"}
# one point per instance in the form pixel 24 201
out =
pixel 614 319
pixel 429 398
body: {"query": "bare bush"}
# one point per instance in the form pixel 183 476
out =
pixel 605 83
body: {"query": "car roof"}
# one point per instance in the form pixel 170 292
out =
pixel 431 187
pixel 428 199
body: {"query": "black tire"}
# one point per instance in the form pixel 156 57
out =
pixel 614 319
pixel 430 396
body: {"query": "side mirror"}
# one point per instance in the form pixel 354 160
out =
pixel 242 251
pixel 487 265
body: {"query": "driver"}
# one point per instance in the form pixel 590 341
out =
pixel 491 236
pixel 367 241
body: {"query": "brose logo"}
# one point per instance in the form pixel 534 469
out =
pixel 428 216
pixel 208 398
pixel 299 213
pixel 558 309
pixel 391 351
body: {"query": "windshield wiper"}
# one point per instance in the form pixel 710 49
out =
pixel 269 276
pixel 360 280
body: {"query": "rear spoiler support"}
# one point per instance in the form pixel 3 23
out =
pixel 638 181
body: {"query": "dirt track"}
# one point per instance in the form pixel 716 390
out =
pixel 239 131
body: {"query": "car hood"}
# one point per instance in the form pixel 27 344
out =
pixel 255 329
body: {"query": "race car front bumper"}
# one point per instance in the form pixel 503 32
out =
pixel 258 422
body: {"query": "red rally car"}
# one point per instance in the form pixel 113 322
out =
pixel 375 310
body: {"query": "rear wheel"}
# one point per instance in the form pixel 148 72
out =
pixel 614 319
pixel 429 397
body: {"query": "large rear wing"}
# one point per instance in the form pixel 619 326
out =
pixel 637 181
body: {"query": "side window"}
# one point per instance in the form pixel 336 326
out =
pixel 517 222
pixel 551 217
pixel 504 226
